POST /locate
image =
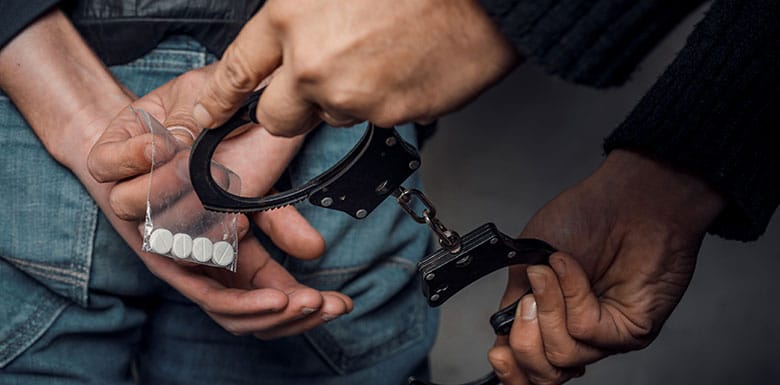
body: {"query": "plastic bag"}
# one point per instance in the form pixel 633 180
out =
pixel 177 225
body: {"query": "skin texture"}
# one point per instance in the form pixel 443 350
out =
pixel 69 98
pixel 385 61
pixel 629 236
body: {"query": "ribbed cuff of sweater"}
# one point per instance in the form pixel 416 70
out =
pixel 715 113
pixel 591 42
pixel 15 15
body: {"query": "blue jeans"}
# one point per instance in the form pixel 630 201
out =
pixel 77 306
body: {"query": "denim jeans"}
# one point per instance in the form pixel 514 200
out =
pixel 77 306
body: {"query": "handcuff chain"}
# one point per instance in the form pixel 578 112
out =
pixel 448 239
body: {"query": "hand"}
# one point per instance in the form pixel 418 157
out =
pixel 124 149
pixel 385 61
pixel 261 298
pixel 629 236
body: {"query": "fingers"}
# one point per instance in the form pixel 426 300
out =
pixel 126 148
pixel 282 109
pixel 179 102
pixel 528 347
pixel 253 56
pixel 334 305
pixel 112 160
pixel 300 305
pixel 259 158
pixel 586 318
pixel 505 367
pixel 271 303
pixel 291 232
pixel 560 348
pixel 168 191
pixel 211 295
pixel 306 308
pixel 128 199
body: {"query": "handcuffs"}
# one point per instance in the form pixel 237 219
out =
pixel 373 170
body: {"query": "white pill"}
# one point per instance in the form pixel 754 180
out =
pixel 182 245
pixel 222 254
pixel 161 241
pixel 202 249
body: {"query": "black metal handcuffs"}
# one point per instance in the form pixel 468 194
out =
pixel 373 170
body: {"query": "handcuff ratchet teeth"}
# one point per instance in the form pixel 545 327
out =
pixel 356 185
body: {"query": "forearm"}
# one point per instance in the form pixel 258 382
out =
pixel 54 79
pixel 714 113
pixel 67 96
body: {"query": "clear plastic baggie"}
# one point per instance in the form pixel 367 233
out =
pixel 177 225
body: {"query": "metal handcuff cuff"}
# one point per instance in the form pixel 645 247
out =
pixel 373 170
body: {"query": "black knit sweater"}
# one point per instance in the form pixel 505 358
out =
pixel 714 113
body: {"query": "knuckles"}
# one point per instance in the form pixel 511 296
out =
pixel 562 358
pixel 238 74
pixel 578 328
pixel 95 170
pixel 119 207
pixel 521 344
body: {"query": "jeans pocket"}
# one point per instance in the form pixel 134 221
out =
pixel 49 217
pixel 27 309
pixel 368 337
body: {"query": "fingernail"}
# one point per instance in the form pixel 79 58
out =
pixel 538 280
pixel 308 310
pixel 328 317
pixel 559 266
pixel 202 116
pixel 529 310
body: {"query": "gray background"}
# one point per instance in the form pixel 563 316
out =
pixel 521 143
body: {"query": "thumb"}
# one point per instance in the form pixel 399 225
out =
pixel 587 318
pixel 291 232
pixel 253 56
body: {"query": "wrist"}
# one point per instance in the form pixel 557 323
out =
pixel 71 144
pixel 63 90
pixel 654 189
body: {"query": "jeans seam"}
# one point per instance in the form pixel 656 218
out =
pixel 78 275
pixel 89 230
pixel 31 330
pixel 56 278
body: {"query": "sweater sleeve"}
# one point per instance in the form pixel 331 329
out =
pixel 591 42
pixel 15 15
pixel 715 113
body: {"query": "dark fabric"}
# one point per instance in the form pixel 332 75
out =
pixel 716 112
pixel 121 31
pixel 592 42
pixel 15 15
